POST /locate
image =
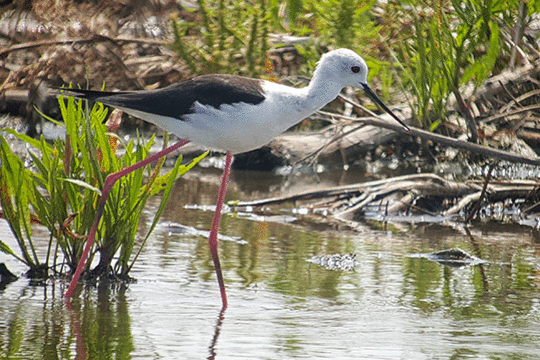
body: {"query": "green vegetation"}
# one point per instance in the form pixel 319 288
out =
pixel 427 48
pixel 62 192
pixel 452 44
pixel 430 49
pixel 228 31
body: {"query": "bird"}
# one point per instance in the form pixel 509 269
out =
pixel 231 114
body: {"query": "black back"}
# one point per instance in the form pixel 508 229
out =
pixel 177 100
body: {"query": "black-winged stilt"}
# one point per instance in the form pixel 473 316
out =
pixel 228 113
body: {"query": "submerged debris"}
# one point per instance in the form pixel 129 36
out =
pixel 343 262
pixel 453 258
pixel 420 198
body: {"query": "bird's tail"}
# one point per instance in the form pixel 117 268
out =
pixel 90 95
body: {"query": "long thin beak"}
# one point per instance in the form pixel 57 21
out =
pixel 371 94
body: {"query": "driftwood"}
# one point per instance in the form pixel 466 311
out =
pixel 495 86
pixel 358 134
pixel 409 194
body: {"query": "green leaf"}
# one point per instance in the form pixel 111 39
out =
pixel 5 248
pixel 178 170
pixel 84 185
pixel 27 139
pixel 13 199
pixel 482 67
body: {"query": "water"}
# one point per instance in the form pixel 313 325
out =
pixel 281 306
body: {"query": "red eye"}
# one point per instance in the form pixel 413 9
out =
pixel 355 69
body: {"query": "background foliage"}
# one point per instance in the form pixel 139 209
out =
pixel 426 48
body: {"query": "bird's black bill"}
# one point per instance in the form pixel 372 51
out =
pixel 371 94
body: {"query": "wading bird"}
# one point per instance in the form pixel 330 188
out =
pixel 228 113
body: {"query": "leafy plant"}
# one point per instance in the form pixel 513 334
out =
pixel 63 191
pixel 344 23
pixel 15 190
pixel 232 37
pixel 229 31
pixel 350 24
pixel 453 43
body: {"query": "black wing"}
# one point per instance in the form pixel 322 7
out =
pixel 177 100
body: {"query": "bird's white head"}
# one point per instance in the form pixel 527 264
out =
pixel 344 66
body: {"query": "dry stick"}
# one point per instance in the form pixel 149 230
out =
pixel 522 121
pixel 500 191
pixel 510 113
pixel 337 137
pixel 518 33
pixel 466 111
pixel 482 194
pixel 458 144
pixel 532 207
pixel 407 201
pixel 518 100
pixel 356 105
pixel 33 44
pixel 509 94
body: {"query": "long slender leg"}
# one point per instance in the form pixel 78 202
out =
pixel 107 186
pixel 213 240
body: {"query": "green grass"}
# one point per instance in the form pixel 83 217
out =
pixel 62 190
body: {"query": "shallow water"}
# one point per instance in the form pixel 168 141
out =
pixel 281 306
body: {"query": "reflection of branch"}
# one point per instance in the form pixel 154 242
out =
pixel 212 348
pixel 478 254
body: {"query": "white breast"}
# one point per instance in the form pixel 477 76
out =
pixel 240 127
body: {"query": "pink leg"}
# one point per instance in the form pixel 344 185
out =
pixel 213 240
pixel 107 186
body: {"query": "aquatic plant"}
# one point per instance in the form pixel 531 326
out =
pixel 61 192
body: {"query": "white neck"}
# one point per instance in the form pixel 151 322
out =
pixel 321 90
pixel 286 106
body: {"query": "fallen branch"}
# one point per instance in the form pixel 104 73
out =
pixel 405 183
pixel 455 143
pixel 398 194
